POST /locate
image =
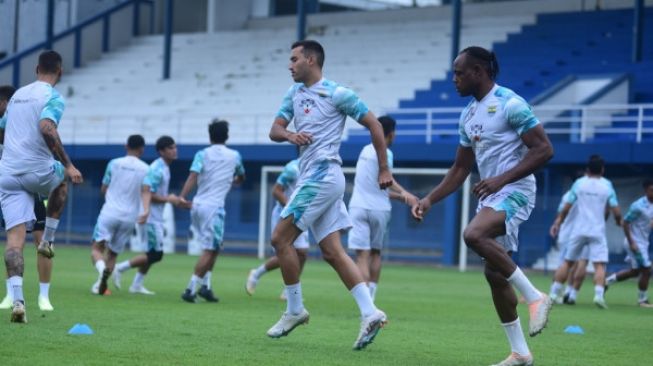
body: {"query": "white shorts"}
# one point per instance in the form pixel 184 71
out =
pixel 115 232
pixel 517 205
pixel 564 248
pixel 17 194
pixel 632 259
pixel 370 229
pixel 316 203
pixel 154 235
pixel 597 245
pixel 208 223
pixel 302 240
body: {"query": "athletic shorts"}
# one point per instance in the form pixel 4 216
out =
pixel 564 248
pixel 115 232
pixel 369 230
pixel 644 261
pixel 316 203
pixel 17 194
pixel 517 205
pixel 154 236
pixel 597 245
pixel 208 225
pixel 302 240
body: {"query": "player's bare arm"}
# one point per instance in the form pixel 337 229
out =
pixel 616 212
pixel 146 198
pixel 378 141
pixel 278 194
pixel 555 228
pixel 279 133
pixel 51 137
pixel 539 152
pixel 454 178
pixel 189 185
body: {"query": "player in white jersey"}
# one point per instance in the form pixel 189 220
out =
pixel 121 187
pixel 319 108
pixel 155 185
pixel 637 226
pixel 281 191
pixel 44 264
pixel 369 208
pixel 499 131
pixel 213 171
pixel 28 167
pixel 591 193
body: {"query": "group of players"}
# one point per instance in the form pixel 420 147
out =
pixel 498 132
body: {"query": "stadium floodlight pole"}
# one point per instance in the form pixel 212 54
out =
pixel 638 30
pixel 301 20
pixel 49 28
pixel 167 40
pixel 456 14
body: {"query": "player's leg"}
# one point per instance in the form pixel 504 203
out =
pixel 363 263
pixel 598 254
pixel 578 277
pixel 569 281
pixel 143 262
pixel 301 245
pixel 56 204
pixel 380 223
pixel 44 267
pixel 375 271
pixel 15 265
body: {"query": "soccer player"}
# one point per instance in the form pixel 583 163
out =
pixel 28 168
pixel 637 229
pixel 281 191
pixel 499 131
pixel 369 208
pixel 121 186
pixel 319 108
pixel 155 184
pixel 213 171
pixel 591 193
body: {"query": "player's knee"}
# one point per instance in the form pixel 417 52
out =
pixel 154 256
pixel 472 236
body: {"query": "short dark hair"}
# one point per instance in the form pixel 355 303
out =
pixel 219 131
pixel 595 164
pixel 49 62
pixel 647 183
pixel 164 142
pixel 388 123
pixel 486 58
pixel 6 91
pixel 135 142
pixel 311 47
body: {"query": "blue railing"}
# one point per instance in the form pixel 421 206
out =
pixel 76 32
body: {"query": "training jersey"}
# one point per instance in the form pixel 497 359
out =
pixel 640 218
pixel 123 178
pixel 565 228
pixel 321 110
pixel 25 149
pixel 493 127
pixel 591 195
pixel 367 193
pixel 158 179
pixel 216 167
pixel 287 180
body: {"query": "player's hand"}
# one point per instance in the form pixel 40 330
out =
pixel 488 186
pixel 300 138
pixel 184 203
pixel 385 178
pixel 173 199
pixel 142 218
pixel 410 199
pixel 554 230
pixel 420 209
pixel 74 174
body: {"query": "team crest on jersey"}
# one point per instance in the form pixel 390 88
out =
pixel 476 131
pixel 307 105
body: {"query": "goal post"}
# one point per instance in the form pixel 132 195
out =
pixel 265 200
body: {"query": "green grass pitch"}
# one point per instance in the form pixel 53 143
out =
pixel 437 317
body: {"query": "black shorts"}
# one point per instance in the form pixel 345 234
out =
pixel 39 212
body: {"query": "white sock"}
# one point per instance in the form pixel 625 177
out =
pixel 17 288
pixel 295 303
pixel 260 271
pixel 572 294
pixel 138 280
pixel 44 289
pixel 642 295
pixel 372 287
pixel 556 287
pixel 123 266
pixel 206 281
pixel 100 266
pixel 10 290
pixel 362 296
pixel 516 337
pixel 598 291
pixel 51 225
pixel 611 279
pixel 525 287
pixel 192 285
pixel 568 289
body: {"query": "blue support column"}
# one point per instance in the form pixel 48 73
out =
pixel 450 232
pixel 167 39
pixel 49 28
pixel 136 24
pixel 106 30
pixel 456 14
pixel 77 62
pixel 638 30
pixel 301 20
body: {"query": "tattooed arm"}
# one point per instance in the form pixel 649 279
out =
pixel 51 137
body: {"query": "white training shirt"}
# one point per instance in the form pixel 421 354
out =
pixel 321 110
pixel 216 167
pixel 24 148
pixel 367 193
pixel 158 179
pixel 591 194
pixel 640 217
pixel 565 228
pixel 493 127
pixel 123 178
pixel 287 180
